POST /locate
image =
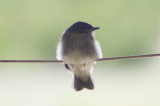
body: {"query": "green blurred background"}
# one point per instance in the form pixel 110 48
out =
pixel 30 29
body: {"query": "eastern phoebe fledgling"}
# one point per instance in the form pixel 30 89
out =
pixel 79 50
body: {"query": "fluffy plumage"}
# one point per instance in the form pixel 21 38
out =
pixel 78 49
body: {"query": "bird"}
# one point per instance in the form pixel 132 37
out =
pixel 78 49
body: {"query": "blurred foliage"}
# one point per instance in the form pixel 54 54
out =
pixel 30 29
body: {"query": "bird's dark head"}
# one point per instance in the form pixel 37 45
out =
pixel 81 27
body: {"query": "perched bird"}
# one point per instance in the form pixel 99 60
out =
pixel 79 50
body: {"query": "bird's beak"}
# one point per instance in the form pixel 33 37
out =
pixel 95 28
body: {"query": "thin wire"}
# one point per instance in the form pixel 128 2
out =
pixel 31 61
pixel 61 61
pixel 129 57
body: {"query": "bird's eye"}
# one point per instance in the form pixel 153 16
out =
pixel 87 30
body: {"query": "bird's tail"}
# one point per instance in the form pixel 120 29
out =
pixel 79 84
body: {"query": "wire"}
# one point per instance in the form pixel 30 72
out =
pixel 61 61
pixel 129 57
pixel 31 61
